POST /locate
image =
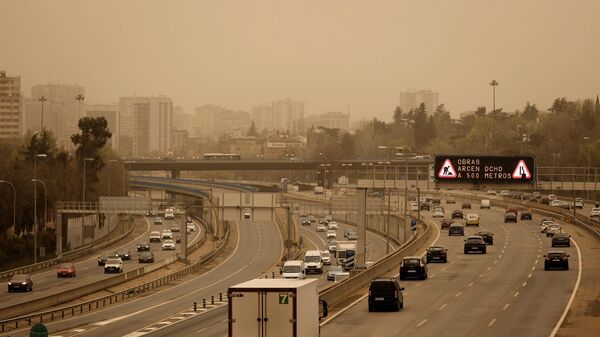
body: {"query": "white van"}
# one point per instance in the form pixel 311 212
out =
pixel 485 203
pixel 293 269
pixel 313 262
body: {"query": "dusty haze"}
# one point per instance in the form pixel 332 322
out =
pixel 328 53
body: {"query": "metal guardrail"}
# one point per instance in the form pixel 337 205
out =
pixel 67 256
pixel 88 306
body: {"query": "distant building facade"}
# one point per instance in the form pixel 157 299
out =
pixel 283 115
pixel 215 121
pixel 180 139
pixel 330 120
pixel 145 126
pixel 249 147
pixel 110 112
pixel 11 106
pixel 285 147
pixel 61 111
pixel 413 99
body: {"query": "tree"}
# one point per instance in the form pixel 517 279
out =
pixel 422 135
pixel 252 131
pixel 530 112
pixel 42 142
pixel 480 111
pixel 398 116
pixel 587 119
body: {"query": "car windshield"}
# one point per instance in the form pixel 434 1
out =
pixel 169 241
pixel 292 269
pixel 382 286
pixel 473 240
pixel 19 278
pixel 412 262
pixel 556 255
pixel 110 261
pixel 66 265
pixel 312 259
pixel 436 249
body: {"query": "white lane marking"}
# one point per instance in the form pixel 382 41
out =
pixel 524 284
pixel 78 330
pixel 500 256
pixel 505 306
pixel 443 306
pixel 533 268
pixel 496 261
pixel 443 269
pixel 422 322
pixel 201 330
pixel 516 294
pixel 529 276
pixel 480 276
pixel 492 322
pixel 419 284
pixel 536 261
pixel 564 314
pixel 458 294
pixel 489 268
pixel 471 284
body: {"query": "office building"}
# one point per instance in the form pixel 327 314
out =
pixel 330 120
pixel 180 139
pixel 11 111
pixel 145 126
pixel 285 115
pixel 413 99
pixel 214 121
pixel 59 112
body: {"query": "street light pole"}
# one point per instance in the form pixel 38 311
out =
pixel 587 171
pixel 45 199
pixel 35 220
pixel 42 100
pixel 14 203
pixel 494 84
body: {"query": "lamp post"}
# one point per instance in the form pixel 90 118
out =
pixel 587 171
pixel 109 173
pixel 494 84
pixel 42 100
pixel 14 202
pixel 553 163
pixel 406 229
pixel 79 98
pixel 45 199
pixel 35 220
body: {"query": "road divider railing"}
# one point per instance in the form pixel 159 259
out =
pixel 87 306
pixel 345 289
pixel 69 255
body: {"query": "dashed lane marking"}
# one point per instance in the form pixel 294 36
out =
pixel 443 306
pixel 471 284
pixel 505 306
pixel 422 322
pixel 491 322
pixel 516 294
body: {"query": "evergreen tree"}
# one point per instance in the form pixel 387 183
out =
pixel 421 127
pixel 530 112
pixel 252 131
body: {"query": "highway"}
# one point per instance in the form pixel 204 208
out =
pixel 258 246
pixel 504 292
pixel 46 282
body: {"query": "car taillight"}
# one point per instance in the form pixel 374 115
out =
pixel 564 258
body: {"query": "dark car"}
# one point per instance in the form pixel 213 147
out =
pixel 488 237
pixel 466 205
pixel 66 270
pixel 102 260
pixel 124 254
pixel 143 246
pixel 305 221
pixel 545 200
pixel 450 200
pixel 436 201
pixel 437 254
pixel 556 259
pixel 385 293
pixel 146 257
pixel 475 243
pixel 561 239
pixel 456 229
pixel 526 215
pixel 20 282
pixel 510 217
pixel 533 199
pixel 425 206
pixel 457 214
pixel 413 267
pixel 446 223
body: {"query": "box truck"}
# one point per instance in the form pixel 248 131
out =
pixel 274 308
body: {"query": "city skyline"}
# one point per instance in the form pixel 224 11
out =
pixel 364 60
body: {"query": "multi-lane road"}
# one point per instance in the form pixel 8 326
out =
pixel 47 283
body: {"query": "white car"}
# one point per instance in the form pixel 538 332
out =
pixel 504 193
pixel 485 203
pixel 154 236
pixel 166 234
pixel 113 265
pixel 595 212
pixel 552 197
pixel 247 213
pixel 472 219
pixel 332 225
pixel 438 213
pixel 545 225
pixel 414 207
pixel 331 234
pixel 555 203
pixel 321 228
pixel 326 257
pixel 169 215
pixel 168 245
pixel 191 227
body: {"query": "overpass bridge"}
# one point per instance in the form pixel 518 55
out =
pixel 374 173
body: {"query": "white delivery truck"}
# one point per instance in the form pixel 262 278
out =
pixel 274 308
pixel 313 262
pixel 346 252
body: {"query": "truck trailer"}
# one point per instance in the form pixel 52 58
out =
pixel 274 307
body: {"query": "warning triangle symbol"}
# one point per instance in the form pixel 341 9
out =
pixel 447 171
pixel 521 171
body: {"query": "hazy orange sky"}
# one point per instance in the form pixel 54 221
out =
pixel 327 53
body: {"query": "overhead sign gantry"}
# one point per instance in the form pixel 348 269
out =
pixel 484 170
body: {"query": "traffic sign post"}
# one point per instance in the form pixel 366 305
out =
pixel 484 170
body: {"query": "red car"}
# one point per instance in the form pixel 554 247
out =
pixel 445 223
pixel 66 270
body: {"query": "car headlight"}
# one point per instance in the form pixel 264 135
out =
pixel 24 283
pixel 10 283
